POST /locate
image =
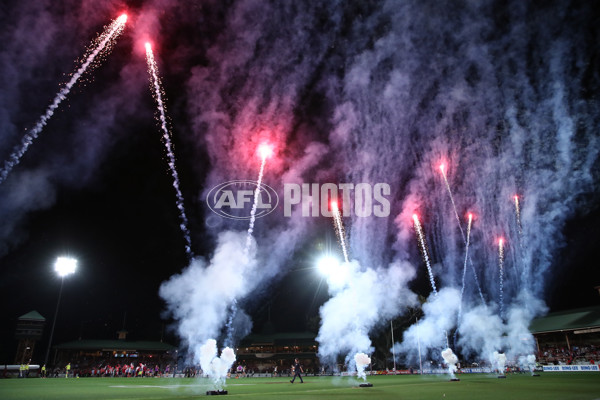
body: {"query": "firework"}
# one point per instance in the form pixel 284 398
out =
pixel 158 94
pixel 264 151
pixel 501 271
pixel 423 247
pixel 518 215
pixel 339 228
pixel 100 46
pixel 462 290
pixel 443 171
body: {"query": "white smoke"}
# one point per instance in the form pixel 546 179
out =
pixel 499 362
pixel 527 363
pixel 432 332
pixel 215 367
pixel 199 297
pixel 451 360
pixel 361 299
pixel 361 360
pixel 519 339
pixel 530 359
pixel 481 333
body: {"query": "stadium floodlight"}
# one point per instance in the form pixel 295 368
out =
pixel 328 265
pixel 335 272
pixel 63 266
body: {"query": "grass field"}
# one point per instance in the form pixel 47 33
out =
pixel 563 386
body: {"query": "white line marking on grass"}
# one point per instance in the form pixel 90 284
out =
pixel 174 386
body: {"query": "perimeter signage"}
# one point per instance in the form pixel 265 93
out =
pixel 571 368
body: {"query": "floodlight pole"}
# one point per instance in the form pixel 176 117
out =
pixel 393 350
pixel 419 345
pixel 62 280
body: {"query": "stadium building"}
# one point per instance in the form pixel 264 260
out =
pixel 85 354
pixel 261 353
pixel 568 337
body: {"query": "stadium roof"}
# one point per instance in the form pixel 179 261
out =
pixel 577 319
pixel 32 316
pixel 109 345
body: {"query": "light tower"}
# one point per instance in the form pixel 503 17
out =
pixel 63 266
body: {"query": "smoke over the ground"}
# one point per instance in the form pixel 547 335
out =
pixel 432 333
pixel 214 366
pixel 360 302
pixel 200 297
pixel 362 361
pixel 451 360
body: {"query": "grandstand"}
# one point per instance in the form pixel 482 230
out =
pixel 568 337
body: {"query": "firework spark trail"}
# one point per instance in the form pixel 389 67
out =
pixel 264 151
pixel 229 325
pixel 524 272
pixel 443 169
pixel 501 265
pixel 423 245
pixel 264 156
pixel 102 44
pixel 518 215
pixel 464 275
pixel 339 228
pixel 462 290
pixel 158 92
pixel 462 233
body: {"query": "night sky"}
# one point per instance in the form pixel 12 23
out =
pixel 506 93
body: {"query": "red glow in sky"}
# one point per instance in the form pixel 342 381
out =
pixel 442 168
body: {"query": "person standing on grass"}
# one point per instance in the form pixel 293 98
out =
pixel 297 369
pixel 67 370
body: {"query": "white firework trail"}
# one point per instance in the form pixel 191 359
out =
pixel 443 169
pixel 156 87
pixel 423 245
pixel 464 275
pixel 255 203
pixel 462 233
pixel 462 290
pixel 525 280
pixel 339 228
pixel 501 271
pixel 265 151
pixel 102 44
pixel 518 215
